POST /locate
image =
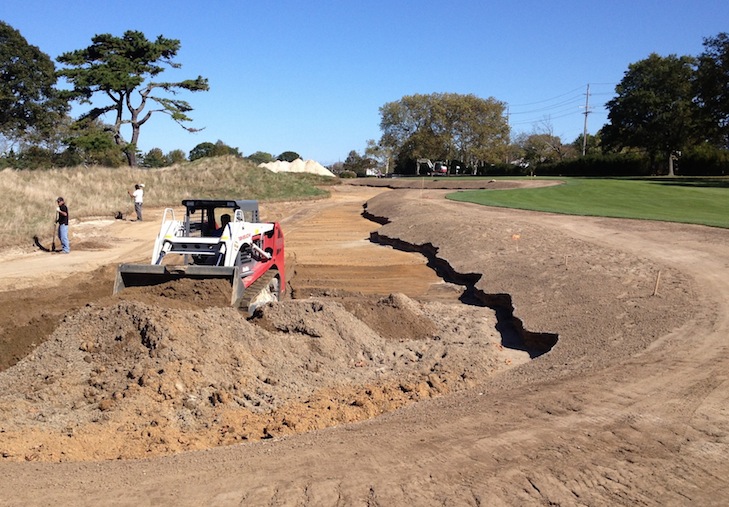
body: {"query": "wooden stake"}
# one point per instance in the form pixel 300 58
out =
pixel 658 279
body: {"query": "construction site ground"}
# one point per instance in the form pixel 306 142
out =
pixel 429 353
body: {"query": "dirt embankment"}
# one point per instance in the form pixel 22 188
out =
pixel 627 408
pixel 164 369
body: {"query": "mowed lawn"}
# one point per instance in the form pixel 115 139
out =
pixel 689 200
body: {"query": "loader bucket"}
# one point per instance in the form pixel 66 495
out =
pixel 143 275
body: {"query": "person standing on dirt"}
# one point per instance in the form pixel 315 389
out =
pixel 138 196
pixel 62 220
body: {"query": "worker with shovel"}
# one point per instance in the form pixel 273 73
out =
pixel 62 221
pixel 138 196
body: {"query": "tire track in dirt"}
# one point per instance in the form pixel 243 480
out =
pixel 329 252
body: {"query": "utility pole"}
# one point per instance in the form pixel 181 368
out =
pixel 506 157
pixel 587 111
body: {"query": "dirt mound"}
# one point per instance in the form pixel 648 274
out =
pixel 297 166
pixel 126 379
pixel 182 293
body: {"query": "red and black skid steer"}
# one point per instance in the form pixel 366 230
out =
pixel 216 239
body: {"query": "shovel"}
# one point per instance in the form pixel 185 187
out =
pixel 37 242
pixel 55 233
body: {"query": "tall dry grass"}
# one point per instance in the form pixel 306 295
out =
pixel 29 205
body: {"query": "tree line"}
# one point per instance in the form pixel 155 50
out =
pixel 118 78
pixel 666 110
pixel 666 106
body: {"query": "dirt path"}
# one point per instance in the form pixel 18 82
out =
pixel 329 256
pixel 628 408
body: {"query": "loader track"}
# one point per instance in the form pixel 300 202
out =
pixel 257 287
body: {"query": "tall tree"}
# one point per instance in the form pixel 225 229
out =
pixel 712 87
pixel 358 164
pixel 260 157
pixel 207 149
pixel 591 144
pixel 552 147
pixel 92 143
pixel 154 158
pixel 654 108
pixel 540 148
pixel 122 70
pixel 29 102
pixel 288 156
pixel 176 156
pixel 445 126
pixel 382 155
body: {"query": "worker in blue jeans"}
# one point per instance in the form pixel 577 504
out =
pixel 62 212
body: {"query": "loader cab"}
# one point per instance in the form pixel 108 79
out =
pixel 204 216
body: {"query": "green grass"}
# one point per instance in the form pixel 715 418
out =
pixel 702 201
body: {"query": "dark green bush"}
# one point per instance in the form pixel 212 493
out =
pixel 703 160
pixel 610 165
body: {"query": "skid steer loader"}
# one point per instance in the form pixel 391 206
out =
pixel 216 239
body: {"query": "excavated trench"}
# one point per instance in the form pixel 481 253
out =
pixel 513 332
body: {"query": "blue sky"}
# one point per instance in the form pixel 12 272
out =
pixel 310 76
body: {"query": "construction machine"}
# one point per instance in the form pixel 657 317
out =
pixel 431 169
pixel 216 239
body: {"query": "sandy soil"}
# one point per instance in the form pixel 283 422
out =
pixel 564 360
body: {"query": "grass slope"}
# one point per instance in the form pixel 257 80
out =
pixel 29 197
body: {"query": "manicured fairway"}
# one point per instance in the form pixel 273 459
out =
pixel 689 200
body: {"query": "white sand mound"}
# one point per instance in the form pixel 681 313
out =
pixel 297 166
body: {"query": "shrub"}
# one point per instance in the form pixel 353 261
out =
pixel 618 164
pixel 703 160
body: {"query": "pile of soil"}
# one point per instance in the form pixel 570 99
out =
pixel 297 166
pixel 125 378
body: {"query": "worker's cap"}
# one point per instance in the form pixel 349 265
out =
pixel 141 185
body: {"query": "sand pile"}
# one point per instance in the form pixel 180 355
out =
pixel 298 166
pixel 128 379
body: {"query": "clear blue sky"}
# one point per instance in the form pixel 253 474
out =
pixel 310 76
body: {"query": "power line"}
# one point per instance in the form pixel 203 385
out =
pixel 573 97
pixel 572 105
pixel 547 108
pixel 548 117
pixel 547 100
